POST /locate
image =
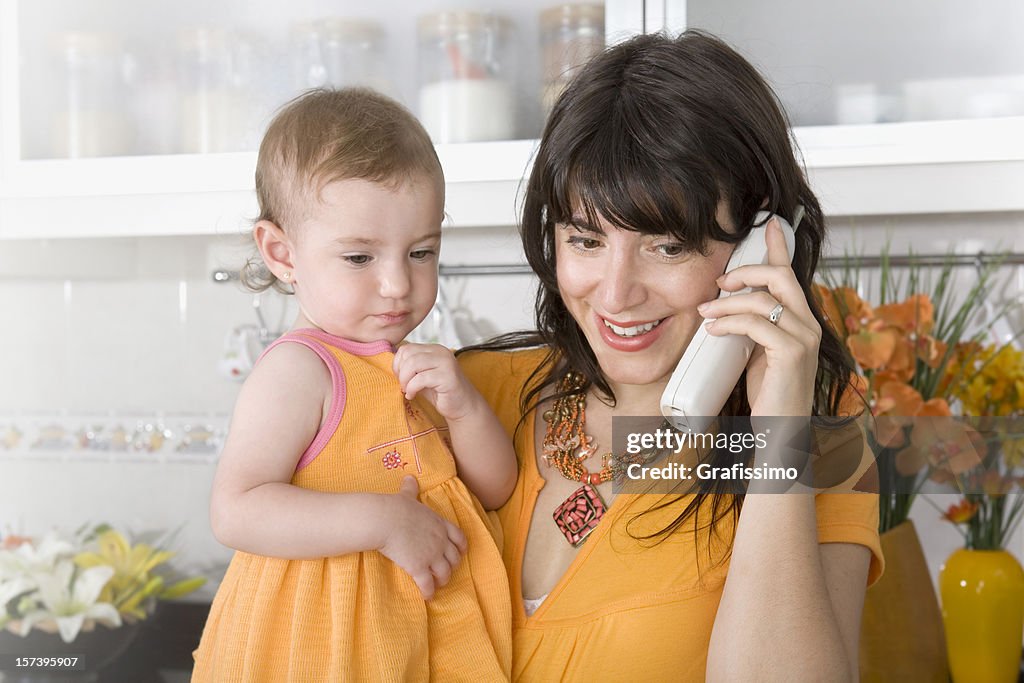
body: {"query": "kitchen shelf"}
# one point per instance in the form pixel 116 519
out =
pixel 213 193
pixel 896 168
pixel 962 166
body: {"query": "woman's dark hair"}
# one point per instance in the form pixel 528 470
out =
pixel 651 135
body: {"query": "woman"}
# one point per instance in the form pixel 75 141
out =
pixel 652 166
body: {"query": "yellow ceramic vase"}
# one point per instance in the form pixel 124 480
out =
pixel 983 612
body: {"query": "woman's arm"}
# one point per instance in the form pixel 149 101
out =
pixel 484 455
pixel 791 607
pixel 255 508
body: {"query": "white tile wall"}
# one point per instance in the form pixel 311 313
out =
pixel 137 325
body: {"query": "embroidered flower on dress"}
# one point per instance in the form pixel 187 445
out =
pixel 393 459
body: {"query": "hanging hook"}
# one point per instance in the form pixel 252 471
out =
pixel 257 303
pixel 979 263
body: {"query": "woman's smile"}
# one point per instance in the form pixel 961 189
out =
pixel 630 336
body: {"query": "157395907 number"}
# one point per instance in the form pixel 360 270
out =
pixel 47 662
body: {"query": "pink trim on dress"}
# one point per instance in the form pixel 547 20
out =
pixel 337 393
pixel 353 347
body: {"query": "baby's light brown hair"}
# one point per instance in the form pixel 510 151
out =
pixel 326 135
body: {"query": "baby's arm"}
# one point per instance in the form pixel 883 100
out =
pixel 255 508
pixel 484 454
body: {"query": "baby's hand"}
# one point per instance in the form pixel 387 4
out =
pixel 433 370
pixel 421 542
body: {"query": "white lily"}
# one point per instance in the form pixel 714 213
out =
pixel 69 601
pixel 33 558
pixel 9 589
pixel 16 585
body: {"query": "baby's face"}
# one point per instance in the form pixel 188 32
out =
pixel 365 259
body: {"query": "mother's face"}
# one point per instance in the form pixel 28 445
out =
pixel 635 296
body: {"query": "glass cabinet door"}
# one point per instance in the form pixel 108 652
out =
pixel 876 61
pixel 121 78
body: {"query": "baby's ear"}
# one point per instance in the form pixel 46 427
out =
pixel 275 248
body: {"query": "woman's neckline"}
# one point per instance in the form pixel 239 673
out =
pixel 533 485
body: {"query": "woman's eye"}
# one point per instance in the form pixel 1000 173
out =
pixel 671 250
pixel 421 254
pixel 357 259
pixel 584 243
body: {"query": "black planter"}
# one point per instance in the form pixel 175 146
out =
pixel 96 649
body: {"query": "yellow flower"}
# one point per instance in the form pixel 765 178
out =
pixel 131 583
pixel 988 380
pixel 1012 448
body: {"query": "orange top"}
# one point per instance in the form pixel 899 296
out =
pixel 359 616
pixel 625 609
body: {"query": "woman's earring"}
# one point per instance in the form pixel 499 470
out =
pixel 286 275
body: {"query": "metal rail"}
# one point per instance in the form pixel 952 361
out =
pixel 977 260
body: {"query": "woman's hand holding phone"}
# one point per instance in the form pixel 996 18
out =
pixel 783 365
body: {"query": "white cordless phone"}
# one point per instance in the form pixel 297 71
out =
pixel 711 366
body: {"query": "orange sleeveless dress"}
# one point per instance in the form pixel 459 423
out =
pixel 359 616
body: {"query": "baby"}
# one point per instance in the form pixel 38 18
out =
pixel 357 468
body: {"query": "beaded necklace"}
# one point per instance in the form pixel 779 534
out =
pixel 566 446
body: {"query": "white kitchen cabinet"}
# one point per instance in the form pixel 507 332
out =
pixel 137 181
pixel 899 107
pixel 864 169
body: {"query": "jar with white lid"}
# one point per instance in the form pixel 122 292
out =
pixel 90 118
pixel 570 35
pixel 338 52
pixel 466 83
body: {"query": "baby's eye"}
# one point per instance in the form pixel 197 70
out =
pixel 357 259
pixel 422 254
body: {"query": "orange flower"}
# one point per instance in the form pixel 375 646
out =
pixel 935 407
pixel 903 362
pixel 12 541
pixel 936 442
pixel 931 350
pixel 872 349
pixel 843 308
pixel 894 406
pixel 897 399
pixel 946 444
pixel 913 316
pixel 961 513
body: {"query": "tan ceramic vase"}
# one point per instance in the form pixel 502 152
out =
pixel 901 637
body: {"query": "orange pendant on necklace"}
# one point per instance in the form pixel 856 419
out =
pixel 579 514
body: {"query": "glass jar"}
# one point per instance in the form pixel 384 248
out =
pixel 466 87
pixel 212 109
pixel 156 100
pixel 337 52
pixel 89 117
pixel 569 36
